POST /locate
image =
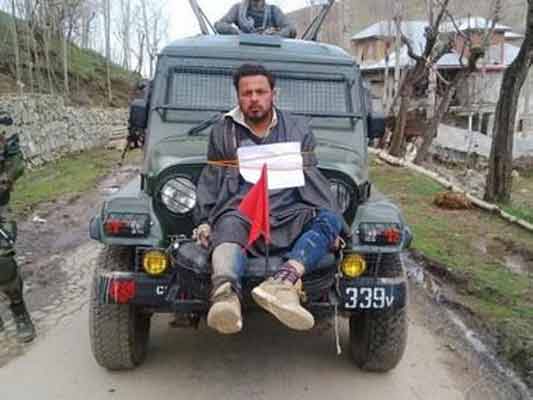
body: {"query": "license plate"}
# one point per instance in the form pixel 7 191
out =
pixel 368 298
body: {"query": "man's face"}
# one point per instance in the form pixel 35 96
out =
pixel 256 98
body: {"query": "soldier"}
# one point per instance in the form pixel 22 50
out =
pixel 255 16
pixel 11 168
pixel 136 135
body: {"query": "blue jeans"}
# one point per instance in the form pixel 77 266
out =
pixel 229 259
pixel 317 239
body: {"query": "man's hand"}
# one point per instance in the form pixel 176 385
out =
pixel 202 235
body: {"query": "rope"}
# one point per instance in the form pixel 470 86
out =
pixel 235 163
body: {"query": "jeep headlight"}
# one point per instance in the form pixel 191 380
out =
pixel 179 195
pixel 342 193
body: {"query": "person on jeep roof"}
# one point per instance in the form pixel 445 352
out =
pixel 305 221
pixel 255 16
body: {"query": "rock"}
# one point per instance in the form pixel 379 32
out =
pixel 48 129
pixel 524 163
pixel 452 201
pixel 38 220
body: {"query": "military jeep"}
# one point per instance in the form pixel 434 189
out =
pixel 150 264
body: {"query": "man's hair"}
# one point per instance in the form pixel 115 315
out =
pixel 252 70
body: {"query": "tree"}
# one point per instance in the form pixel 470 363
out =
pixel 476 53
pixel 65 55
pixel 499 179
pixel 126 32
pixel 418 78
pixel 154 26
pixel 107 29
pixel 18 71
pixel 417 74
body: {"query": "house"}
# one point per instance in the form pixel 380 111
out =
pixel 474 103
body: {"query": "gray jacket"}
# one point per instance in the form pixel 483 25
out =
pixel 218 186
pixel 237 20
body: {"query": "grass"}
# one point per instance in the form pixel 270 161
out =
pixel 522 198
pixel 474 246
pixel 66 177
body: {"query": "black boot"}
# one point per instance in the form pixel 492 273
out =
pixel 24 326
pixel 2 327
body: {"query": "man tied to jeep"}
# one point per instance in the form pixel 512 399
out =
pixel 305 222
pixel 255 16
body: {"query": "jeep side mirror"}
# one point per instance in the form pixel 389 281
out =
pixel 138 117
pixel 376 125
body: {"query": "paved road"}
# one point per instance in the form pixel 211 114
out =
pixel 265 361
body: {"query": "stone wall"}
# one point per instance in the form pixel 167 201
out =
pixel 49 129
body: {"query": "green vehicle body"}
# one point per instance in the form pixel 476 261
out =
pixel 341 143
pixel 191 84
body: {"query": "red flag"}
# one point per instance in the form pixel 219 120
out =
pixel 256 207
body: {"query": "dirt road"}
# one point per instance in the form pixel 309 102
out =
pixel 264 362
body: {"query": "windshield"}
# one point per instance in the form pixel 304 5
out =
pixel 212 90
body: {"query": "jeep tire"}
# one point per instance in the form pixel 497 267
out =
pixel 378 339
pixel 118 332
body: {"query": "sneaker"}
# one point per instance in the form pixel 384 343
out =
pixel 280 296
pixel 225 313
pixel 23 323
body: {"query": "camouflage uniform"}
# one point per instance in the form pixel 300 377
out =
pixel 11 168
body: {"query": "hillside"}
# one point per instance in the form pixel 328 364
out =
pixel 87 69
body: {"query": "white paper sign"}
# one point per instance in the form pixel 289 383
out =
pixel 284 162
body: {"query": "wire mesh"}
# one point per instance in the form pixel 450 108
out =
pixel 214 89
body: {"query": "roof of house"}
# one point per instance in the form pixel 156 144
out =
pixel 448 61
pixel 472 23
pixel 417 27
pixel 451 60
pixel 388 29
pixel 513 35
pixel 415 33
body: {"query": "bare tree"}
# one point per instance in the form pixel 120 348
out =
pixel 398 19
pixel 126 32
pixel 107 24
pixel 476 53
pixel 499 179
pixel 418 77
pixel 154 25
pixel 18 71
pixel 65 57
pixel 88 15
pixel 415 75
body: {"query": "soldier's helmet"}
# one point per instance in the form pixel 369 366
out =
pixel 5 120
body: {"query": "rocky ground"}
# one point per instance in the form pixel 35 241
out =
pixel 444 360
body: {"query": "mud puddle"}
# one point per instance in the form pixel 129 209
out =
pixel 515 257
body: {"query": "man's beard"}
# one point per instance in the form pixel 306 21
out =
pixel 257 118
pixel 257 5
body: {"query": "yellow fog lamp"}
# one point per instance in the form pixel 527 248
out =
pixel 353 265
pixel 155 262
